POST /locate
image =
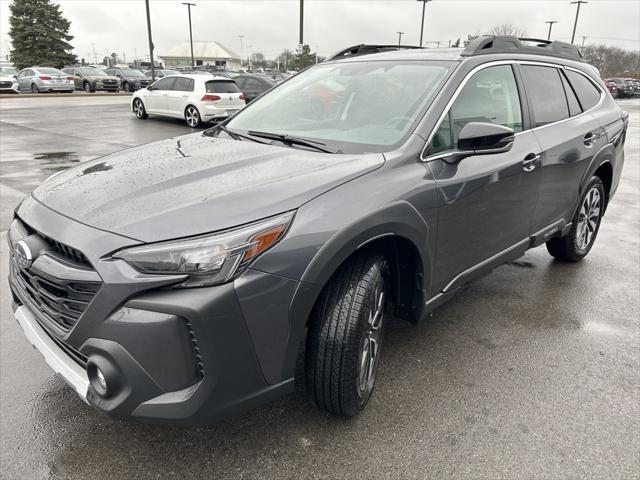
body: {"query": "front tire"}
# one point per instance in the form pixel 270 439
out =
pixel 576 244
pixel 126 87
pixel 87 87
pixel 345 336
pixel 192 116
pixel 138 109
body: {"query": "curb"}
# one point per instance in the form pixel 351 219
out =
pixel 75 94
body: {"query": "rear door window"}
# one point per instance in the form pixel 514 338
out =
pixel 587 92
pixel 222 86
pixel 182 84
pixel 546 94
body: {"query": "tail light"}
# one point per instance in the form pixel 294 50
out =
pixel 43 77
pixel 209 98
pixel 241 97
pixel 69 78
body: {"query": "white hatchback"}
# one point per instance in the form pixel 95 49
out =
pixel 196 98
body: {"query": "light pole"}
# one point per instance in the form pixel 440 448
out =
pixel 316 54
pixel 575 24
pixel 424 4
pixel 241 54
pixel 550 22
pixel 400 37
pixel 189 5
pixel 153 68
pixel 301 22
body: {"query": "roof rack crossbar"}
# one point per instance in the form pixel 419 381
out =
pixel 364 49
pixel 507 44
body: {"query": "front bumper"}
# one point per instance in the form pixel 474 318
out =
pixel 185 356
pixel 53 354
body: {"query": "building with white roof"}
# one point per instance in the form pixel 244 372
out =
pixel 204 53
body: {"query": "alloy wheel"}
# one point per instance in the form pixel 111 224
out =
pixel 87 87
pixel 138 109
pixel 34 88
pixel 192 116
pixel 371 342
pixel 588 218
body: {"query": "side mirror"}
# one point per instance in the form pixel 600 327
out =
pixel 483 138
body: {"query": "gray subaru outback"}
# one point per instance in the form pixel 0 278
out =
pixel 180 281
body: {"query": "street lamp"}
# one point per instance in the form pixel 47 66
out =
pixel 575 24
pixel 424 3
pixel 550 22
pixel 241 55
pixel 153 68
pixel 189 5
pixel 400 37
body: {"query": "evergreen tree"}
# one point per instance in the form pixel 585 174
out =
pixel 39 35
pixel 304 58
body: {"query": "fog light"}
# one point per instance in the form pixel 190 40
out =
pixel 98 381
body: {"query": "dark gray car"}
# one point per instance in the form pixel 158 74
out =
pixel 180 281
pixel 130 78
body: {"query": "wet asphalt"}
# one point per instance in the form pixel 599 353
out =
pixel 530 372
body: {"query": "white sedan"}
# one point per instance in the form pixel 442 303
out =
pixel 196 98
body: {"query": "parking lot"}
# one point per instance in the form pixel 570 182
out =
pixel 531 372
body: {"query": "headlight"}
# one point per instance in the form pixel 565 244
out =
pixel 209 259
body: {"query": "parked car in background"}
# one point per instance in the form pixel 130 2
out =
pixel 161 73
pixel 44 79
pixel 8 72
pixel 611 86
pixel 99 66
pixel 8 83
pixel 130 78
pixel 253 85
pixel 635 84
pixel 624 90
pixel 91 79
pixel 196 98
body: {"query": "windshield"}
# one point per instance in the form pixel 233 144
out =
pixel 171 72
pixel 50 71
pixel 359 106
pixel 130 72
pixel 92 72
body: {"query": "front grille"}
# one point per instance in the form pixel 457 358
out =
pixel 109 82
pixel 60 301
pixel 5 84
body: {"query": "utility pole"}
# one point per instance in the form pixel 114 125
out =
pixel 424 4
pixel 400 37
pixel 583 39
pixel 316 54
pixel 189 5
pixel 95 55
pixel 241 54
pixel 550 22
pixel 575 24
pixel 153 68
pixel 301 23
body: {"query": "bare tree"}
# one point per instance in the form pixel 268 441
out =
pixel 508 29
pixel 612 61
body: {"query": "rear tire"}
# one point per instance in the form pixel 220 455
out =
pixel 576 244
pixel 192 116
pixel 345 335
pixel 138 109
pixel 35 88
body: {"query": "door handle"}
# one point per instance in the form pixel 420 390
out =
pixel 590 138
pixel 530 161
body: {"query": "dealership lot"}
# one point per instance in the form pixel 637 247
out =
pixel 531 372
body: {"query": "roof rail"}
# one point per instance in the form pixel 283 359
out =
pixel 364 49
pixel 507 44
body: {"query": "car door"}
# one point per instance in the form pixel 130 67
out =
pixel 486 200
pixel 251 89
pixel 156 97
pixel 178 96
pixel 24 79
pixel 569 137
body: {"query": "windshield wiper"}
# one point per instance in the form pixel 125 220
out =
pixel 233 134
pixel 288 139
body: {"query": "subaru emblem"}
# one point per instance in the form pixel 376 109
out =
pixel 22 254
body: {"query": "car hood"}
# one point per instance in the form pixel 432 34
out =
pixel 195 184
pixel 101 77
pixel 5 78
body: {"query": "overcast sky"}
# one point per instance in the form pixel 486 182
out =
pixel 330 25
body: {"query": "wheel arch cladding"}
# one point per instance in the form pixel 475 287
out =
pixel 397 230
pixel 605 173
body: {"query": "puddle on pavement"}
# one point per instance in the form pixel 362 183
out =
pixel 51 162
